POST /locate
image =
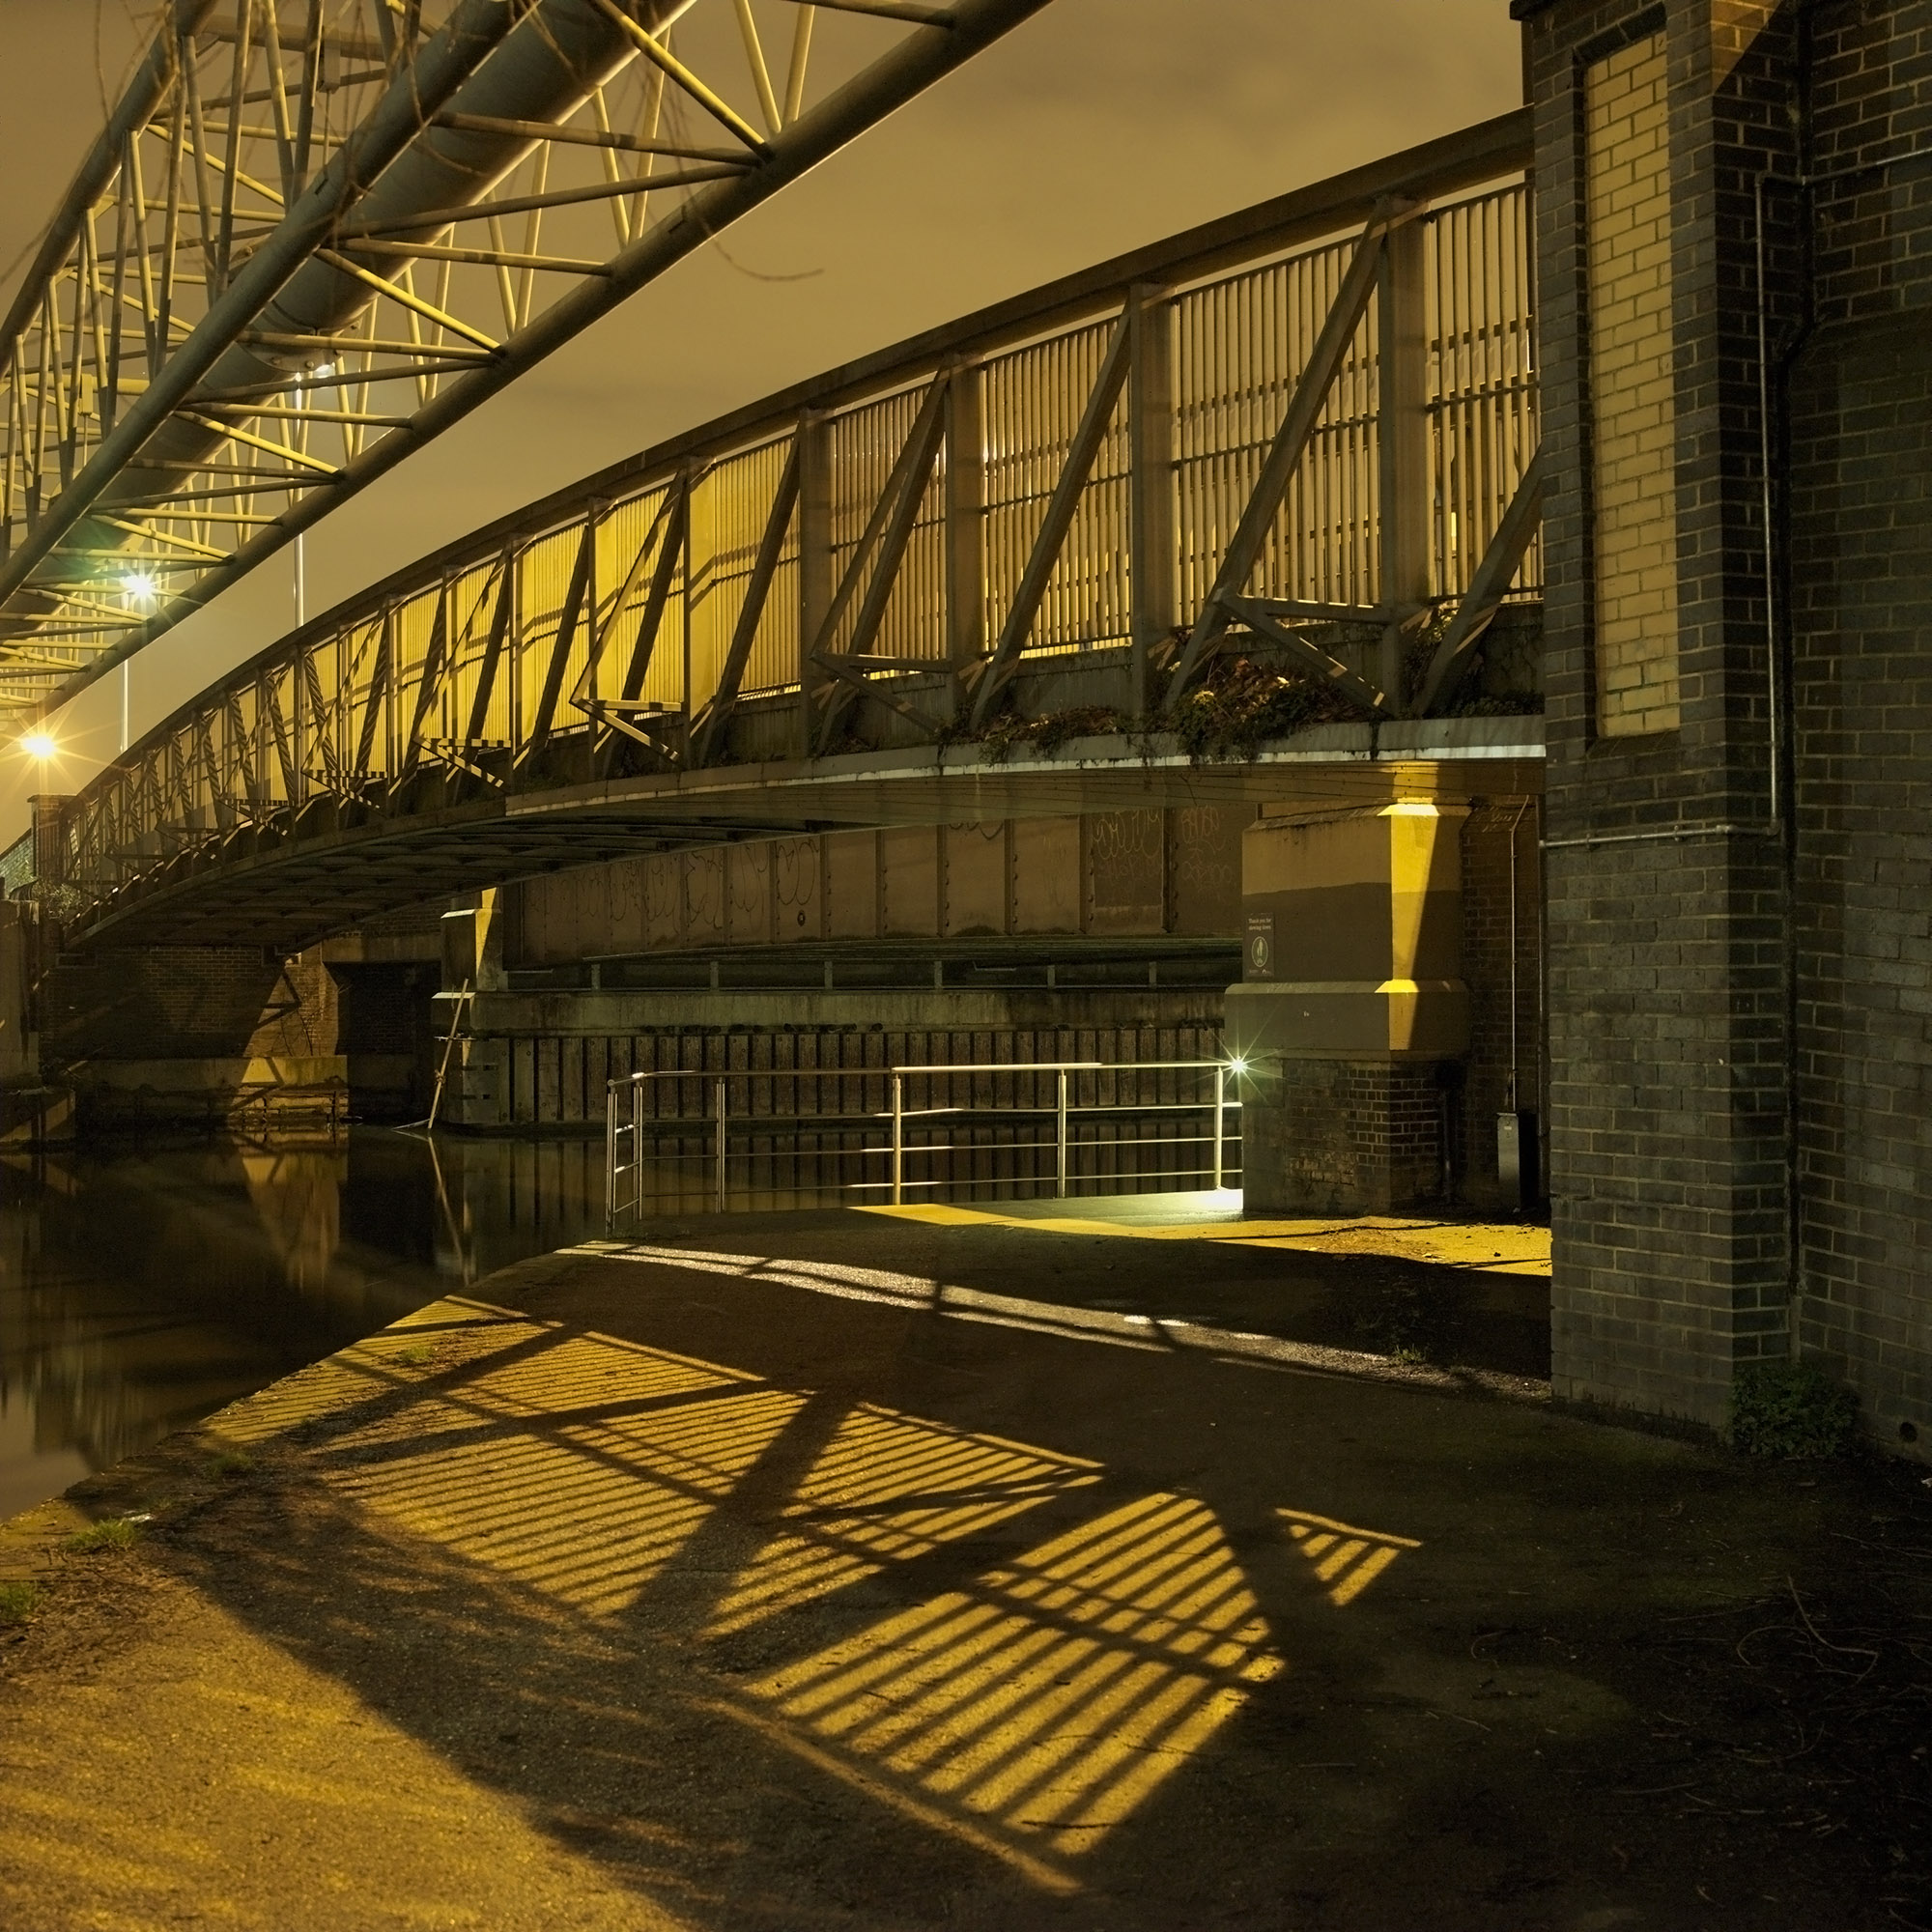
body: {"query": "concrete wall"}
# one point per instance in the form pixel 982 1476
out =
pixel 19 1050
pixel 228 1036
pixel 1108 874
pixel 1401 940
pixel 539 1061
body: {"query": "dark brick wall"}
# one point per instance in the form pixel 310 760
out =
pixel 385 1009
pixel 1353 1137
pixel 1740 1049
pixel 1861 617
pixel 1870 103
pixel 187 1003
pixel 1666 996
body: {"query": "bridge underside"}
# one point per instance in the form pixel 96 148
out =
pixel 263 887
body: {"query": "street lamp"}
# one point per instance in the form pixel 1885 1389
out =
pixel 40 746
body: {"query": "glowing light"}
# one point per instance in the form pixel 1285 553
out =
pixel 1237 1065
pixel 323 371
pixel 140 587
pixel 39 745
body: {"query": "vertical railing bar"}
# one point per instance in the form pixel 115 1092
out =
pixel 1220 1120
pixel 1061 1137
pixel 720 1090
pixel 610 1155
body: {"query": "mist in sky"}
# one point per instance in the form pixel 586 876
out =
pixel 1098 126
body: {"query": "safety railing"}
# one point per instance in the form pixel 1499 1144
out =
pixel 1062 1092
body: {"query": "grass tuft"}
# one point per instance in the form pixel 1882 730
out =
pixel 229 1463
pixel 417 1355
pixel 19 1598
pixel 114 1532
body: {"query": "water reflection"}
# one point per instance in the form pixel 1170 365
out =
pixel 143 1289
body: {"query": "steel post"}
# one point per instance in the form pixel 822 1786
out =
pixel 899 1140
pixel 1220 1123
pixel 1060 1139
pixel 719 1091
pixel 610 1155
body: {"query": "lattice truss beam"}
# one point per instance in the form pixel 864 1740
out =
pixel 316 232
pixel 1321 450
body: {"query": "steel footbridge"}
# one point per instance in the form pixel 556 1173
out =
pixel 1251 512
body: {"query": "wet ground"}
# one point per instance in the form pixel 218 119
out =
pixel 888 1571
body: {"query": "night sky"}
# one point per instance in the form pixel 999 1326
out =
pixel 1098 126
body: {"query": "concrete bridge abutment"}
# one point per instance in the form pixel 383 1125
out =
pixel 1352 1016
pixel 234 1038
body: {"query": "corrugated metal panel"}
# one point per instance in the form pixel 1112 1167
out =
pixel 1033 401
pixel 1242 345
pixel 1482 380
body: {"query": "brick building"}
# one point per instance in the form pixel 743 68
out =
pixel 1735 316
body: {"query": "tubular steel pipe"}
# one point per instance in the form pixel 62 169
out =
pixel 899 1140
pixel 1220 1121
pixel 484 62
pixel 610 1155
pixel 719 1089
pixel 137 105
pixel 1060 1140
pixel 923 58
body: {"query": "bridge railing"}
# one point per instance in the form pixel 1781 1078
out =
pixel 1321 414
pixel 928 1136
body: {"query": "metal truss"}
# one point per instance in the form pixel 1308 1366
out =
pixel 1307 434
pixel 316 232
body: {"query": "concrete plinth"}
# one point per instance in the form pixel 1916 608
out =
pixel 1354 1015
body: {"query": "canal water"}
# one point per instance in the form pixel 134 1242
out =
pixel 141 1290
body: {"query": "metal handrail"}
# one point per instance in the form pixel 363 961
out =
pixel 616 1126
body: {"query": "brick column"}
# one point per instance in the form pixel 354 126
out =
pixel 1352 1016
pixel 1667 909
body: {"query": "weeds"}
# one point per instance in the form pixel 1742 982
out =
pixel 114 1532
pixel 1790 1408
pixel 1244 704
pixel 229 1463
pixel 417 1355
pixel 1048 734
pixel 19 1598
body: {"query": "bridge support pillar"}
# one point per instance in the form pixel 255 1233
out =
pixel 1352 1017
pixel 1671 234
pixel 19 1046
pixel 224 1037
pixel 477 1089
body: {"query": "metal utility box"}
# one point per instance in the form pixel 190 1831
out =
pixel 1516 1160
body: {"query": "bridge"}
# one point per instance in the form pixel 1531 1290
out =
pixel 308 240
pixel 1500 632
pixel 1205 523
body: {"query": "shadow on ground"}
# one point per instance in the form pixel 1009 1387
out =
pixel 760 1607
